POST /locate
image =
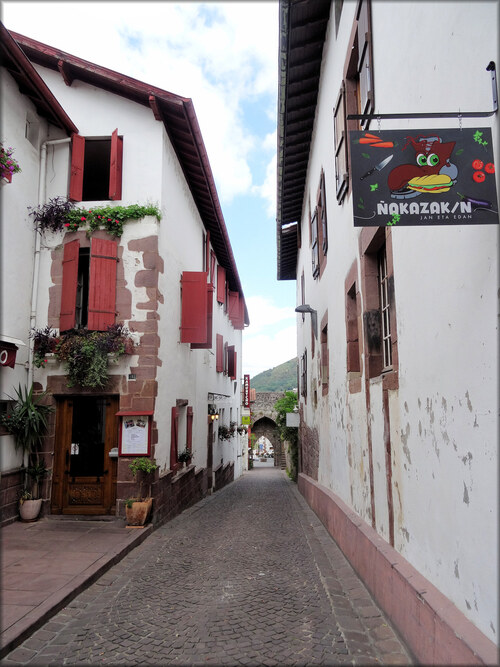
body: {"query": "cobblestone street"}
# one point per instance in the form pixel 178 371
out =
pixel 248 576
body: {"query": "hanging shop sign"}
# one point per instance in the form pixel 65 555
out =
pixel 246 391
pixel 423 177
pixel 135 433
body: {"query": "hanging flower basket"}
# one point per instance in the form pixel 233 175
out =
pixel 8 165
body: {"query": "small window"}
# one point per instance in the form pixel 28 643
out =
pixel 314 244
pixel 325 361
pixel 353 360
pixel 96 168
pixel 82 288
pixel 385 312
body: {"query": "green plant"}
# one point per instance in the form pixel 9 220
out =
pixel 142 467
pixel 36 473
pixel 84 352
pixel 24 494
pixel 185 456
pixel 8 165
pixel 130 501
pixel 226 432
pixel 51 216
pixel 282 406
pixel 60 214
pixel 27 420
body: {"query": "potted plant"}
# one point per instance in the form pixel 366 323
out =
pixel 185 456
pixel 138 509
pixel 27 422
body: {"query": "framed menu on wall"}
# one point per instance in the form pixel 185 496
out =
pixel 135 433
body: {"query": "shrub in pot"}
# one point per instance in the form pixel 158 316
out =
pixel 27 422
pixel 137 510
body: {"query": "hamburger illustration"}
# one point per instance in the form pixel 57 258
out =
pixel 431 173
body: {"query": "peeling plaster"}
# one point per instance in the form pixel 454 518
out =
pixel 466 495
pixel 404 440
pixel 457 574
pixel 406 534
pixel 469 404
pixel 467 458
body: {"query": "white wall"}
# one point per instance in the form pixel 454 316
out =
pixel 17 238
pixel 443 417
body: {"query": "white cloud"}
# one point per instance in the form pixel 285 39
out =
pixel 263 313
pixel 205 51
pixel 266 350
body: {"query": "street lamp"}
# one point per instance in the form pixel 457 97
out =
pixel 306 308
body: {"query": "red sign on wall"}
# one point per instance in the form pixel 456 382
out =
pixel 246 391
pixel 7 354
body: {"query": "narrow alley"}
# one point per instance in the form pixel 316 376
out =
pixel 247 576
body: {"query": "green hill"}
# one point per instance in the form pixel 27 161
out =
pixel 279 378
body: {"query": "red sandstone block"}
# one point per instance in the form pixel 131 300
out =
pixel 147 326
pixel 142 403
pixel 148 244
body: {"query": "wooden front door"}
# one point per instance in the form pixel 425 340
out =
pixel 84 473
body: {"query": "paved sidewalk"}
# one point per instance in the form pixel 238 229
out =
pixel 45 564
pixel 247 576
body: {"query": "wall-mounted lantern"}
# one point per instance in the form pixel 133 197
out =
pixel 306 308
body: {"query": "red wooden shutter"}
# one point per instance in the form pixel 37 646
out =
pixel 231 359
pixel 69 281
pixel 77 161
pixel 102 284
pixel 219 353
pixel 174 438
pixel 233 306
pixel 212 268
pixel 194 307
pixel 189 429
pixel 226 346
pixel 221 284
pixel 210 309
pixel 239 320
pixel 115 170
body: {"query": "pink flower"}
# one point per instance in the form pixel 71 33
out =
pixel 99 217
pixel 109 219
pixel 90 211
pixel 82 218
pixel 66 224
pixel 117 222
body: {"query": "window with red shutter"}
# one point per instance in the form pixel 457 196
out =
pixel 231 362
pixel 219 353
pixel 221 284
pixel 210 307
pixel 174 438
pixel 194 307
pixel 96 168
pixel 102 284
pixel 235 366
pixel 189 429
pixel 69 285
pixel 226 347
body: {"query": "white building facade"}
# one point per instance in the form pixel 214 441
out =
pixel 399 386
pixel 168 276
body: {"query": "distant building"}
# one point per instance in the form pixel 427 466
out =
pixel 397 335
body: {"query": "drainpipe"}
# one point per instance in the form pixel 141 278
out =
pixel 38 241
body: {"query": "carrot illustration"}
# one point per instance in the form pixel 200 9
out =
pixel 365 140
pixel 384 144
pixel 373 136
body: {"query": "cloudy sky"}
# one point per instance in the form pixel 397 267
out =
pixel 224 56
